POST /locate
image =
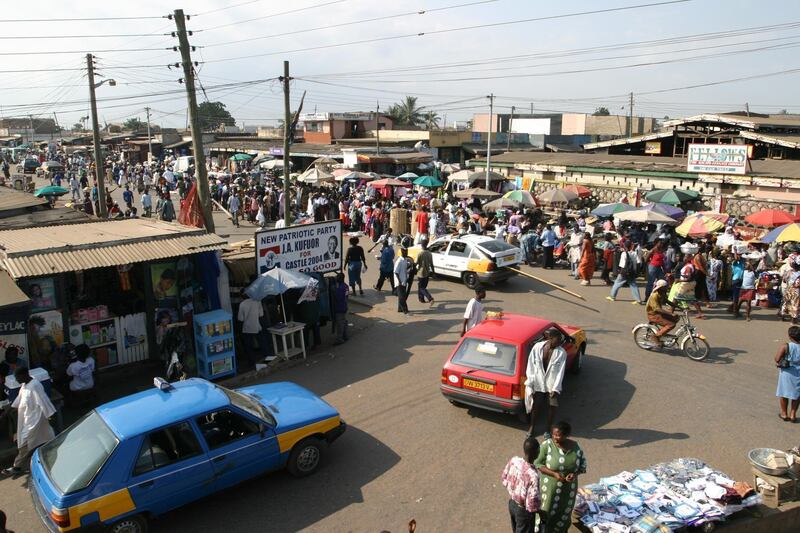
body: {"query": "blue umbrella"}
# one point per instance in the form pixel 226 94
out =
pixel 609 210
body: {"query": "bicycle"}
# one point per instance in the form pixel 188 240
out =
pixel 684 336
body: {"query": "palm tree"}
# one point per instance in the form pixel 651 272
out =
pixel 431 119
pixel 406 112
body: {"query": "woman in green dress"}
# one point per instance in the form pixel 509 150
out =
pixel 560 461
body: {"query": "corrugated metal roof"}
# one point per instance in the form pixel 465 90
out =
pixel 10 294
pixel 790 141
pixel 12 199
pixel 33 252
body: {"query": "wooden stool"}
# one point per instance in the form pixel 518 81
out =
pixel 785 487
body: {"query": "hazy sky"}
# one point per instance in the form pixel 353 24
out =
pixel 527 63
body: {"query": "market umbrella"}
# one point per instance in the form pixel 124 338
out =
pixel 342 172
pixel 476 192
pixel 609 210
pixel 451 167
pixel 580 190
pixel 671 196
pixel 521 197
pixel 471 175
pixel 51 190
pixel 427 181
pixel 389 182
pixel 278 281
pixel 324 161
pixel 698 225
pixel 670 210
pixel 408 176
pixel 721 217
pixel 646 217
pixel 785 233
pixel 315 175
pixel 557 196
pixel 771 218
pixel 352 175
pixel 501 204
pixel 275 163
pixel 241 157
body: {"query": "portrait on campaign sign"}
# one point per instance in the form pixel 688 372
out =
pixel 304 248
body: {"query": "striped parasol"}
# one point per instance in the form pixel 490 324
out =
pixel 698 225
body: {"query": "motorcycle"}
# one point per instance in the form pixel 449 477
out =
pixel 684 336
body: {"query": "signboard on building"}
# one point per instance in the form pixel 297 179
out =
pixel 317 117
pixel 304 248
pixel 717 158
pixel 652 148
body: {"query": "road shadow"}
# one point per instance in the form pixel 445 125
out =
pixel 281 503
pixel 579 405
pixel 721 355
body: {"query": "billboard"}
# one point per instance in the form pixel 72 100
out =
pixel 652 148
pixel 718 158
pixel 305 248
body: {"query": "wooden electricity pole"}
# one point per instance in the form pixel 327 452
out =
pixel 287 126
pixel 200 172
pixel 99 172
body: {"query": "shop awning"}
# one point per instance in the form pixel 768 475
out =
pixel 10 294
pixel 37 252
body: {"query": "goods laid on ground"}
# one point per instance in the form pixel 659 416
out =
pixel 664 497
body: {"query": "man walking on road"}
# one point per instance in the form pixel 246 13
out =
pixel 474 312
pixel 33 428
pixel 424 270
pixel 521 479
pixel 548 241
pixel 401 268
pixel 386 267
pixel 233 208
pixel 250 313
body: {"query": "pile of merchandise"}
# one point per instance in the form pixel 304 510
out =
pixel 665 497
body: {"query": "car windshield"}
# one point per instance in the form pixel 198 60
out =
pixel 495 246
pixel 73 459
pixel 249 404
pixel 487 355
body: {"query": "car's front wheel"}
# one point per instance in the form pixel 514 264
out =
pixel 131 524
pixel 306 457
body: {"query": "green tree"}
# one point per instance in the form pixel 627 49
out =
pixel 213 114
pixel 77 127
pixel 406 112
pixel 134 124
pixel 601 112
pixel 431 119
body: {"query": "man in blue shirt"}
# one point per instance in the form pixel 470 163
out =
pixel 548 242
pixel 737 273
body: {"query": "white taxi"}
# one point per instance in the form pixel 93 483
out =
pixel 474 259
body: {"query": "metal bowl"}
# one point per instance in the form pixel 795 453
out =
pixel 758 458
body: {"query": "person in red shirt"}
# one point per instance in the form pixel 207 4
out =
pixel 655 266
pixel 422 221
pixel 521 479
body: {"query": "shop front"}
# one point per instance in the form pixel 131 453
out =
pixel 118 286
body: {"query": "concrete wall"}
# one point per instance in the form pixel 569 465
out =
pixel 573 124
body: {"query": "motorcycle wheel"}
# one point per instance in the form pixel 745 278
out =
pixel 695 348
pixel 643 337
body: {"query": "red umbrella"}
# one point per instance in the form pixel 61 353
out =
pixel 389 182
pixel 580 190
pixel 771 218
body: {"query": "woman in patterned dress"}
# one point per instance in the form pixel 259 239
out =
pixel 560 461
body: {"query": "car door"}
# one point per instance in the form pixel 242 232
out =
pixel 438 252
pixel 171 469
pixel 457 258
pixel 239 446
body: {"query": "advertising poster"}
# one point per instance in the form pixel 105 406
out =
pixel 304 248
pixel 46 334
pixel 652 148
pixel 41 291
pixel 14 329
pixel 717 158
pixel 165 284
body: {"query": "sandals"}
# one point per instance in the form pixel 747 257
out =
pixel 785 418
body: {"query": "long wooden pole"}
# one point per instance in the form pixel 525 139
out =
pixel 540 280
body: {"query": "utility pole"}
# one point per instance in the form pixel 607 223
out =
pixel 531 108
pixel 747 108
pixel 201 173
pixel 149 139
pixel 287 122
pixel 489 139
pixel 98 156
pixel 630 112
pixel 510 123
pixel 378 126
pixel 55 117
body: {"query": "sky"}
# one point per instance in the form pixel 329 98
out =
pixel 678 58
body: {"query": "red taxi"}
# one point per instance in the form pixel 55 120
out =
pixel 487 367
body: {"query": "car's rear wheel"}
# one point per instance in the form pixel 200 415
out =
pixel 306 457
pixel 131 524
pixel 470 279
pixel 577 366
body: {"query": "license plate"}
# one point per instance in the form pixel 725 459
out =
pixel 478 385
pixel 507 260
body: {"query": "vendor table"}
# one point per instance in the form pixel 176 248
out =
pixel 288 333
pixel 785 487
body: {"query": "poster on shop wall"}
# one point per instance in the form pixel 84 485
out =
pixel 41 291
pixel 46 335
pixel 13 329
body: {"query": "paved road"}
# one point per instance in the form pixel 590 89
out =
pixel 408 453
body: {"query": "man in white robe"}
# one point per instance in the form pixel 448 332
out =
pixel 544 375
pixel 34 409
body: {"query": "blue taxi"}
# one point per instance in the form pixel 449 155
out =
pixel 154 451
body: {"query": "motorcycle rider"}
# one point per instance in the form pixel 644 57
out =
pixel 657 313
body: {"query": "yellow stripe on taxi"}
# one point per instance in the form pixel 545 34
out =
pixel 106 507
pixel 287 440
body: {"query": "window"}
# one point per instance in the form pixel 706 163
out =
pixel 483 354
pixel 496 245
pixel 167 446
pixel 459 249
pixel 437 248
pixel 225 426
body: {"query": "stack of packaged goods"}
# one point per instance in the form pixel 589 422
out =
pixel 665 497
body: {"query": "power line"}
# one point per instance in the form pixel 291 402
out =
pixel 89 19
pixel 86 36
pixel 273 15
pixel 51 52
pixel 226 8
pixel 450 30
